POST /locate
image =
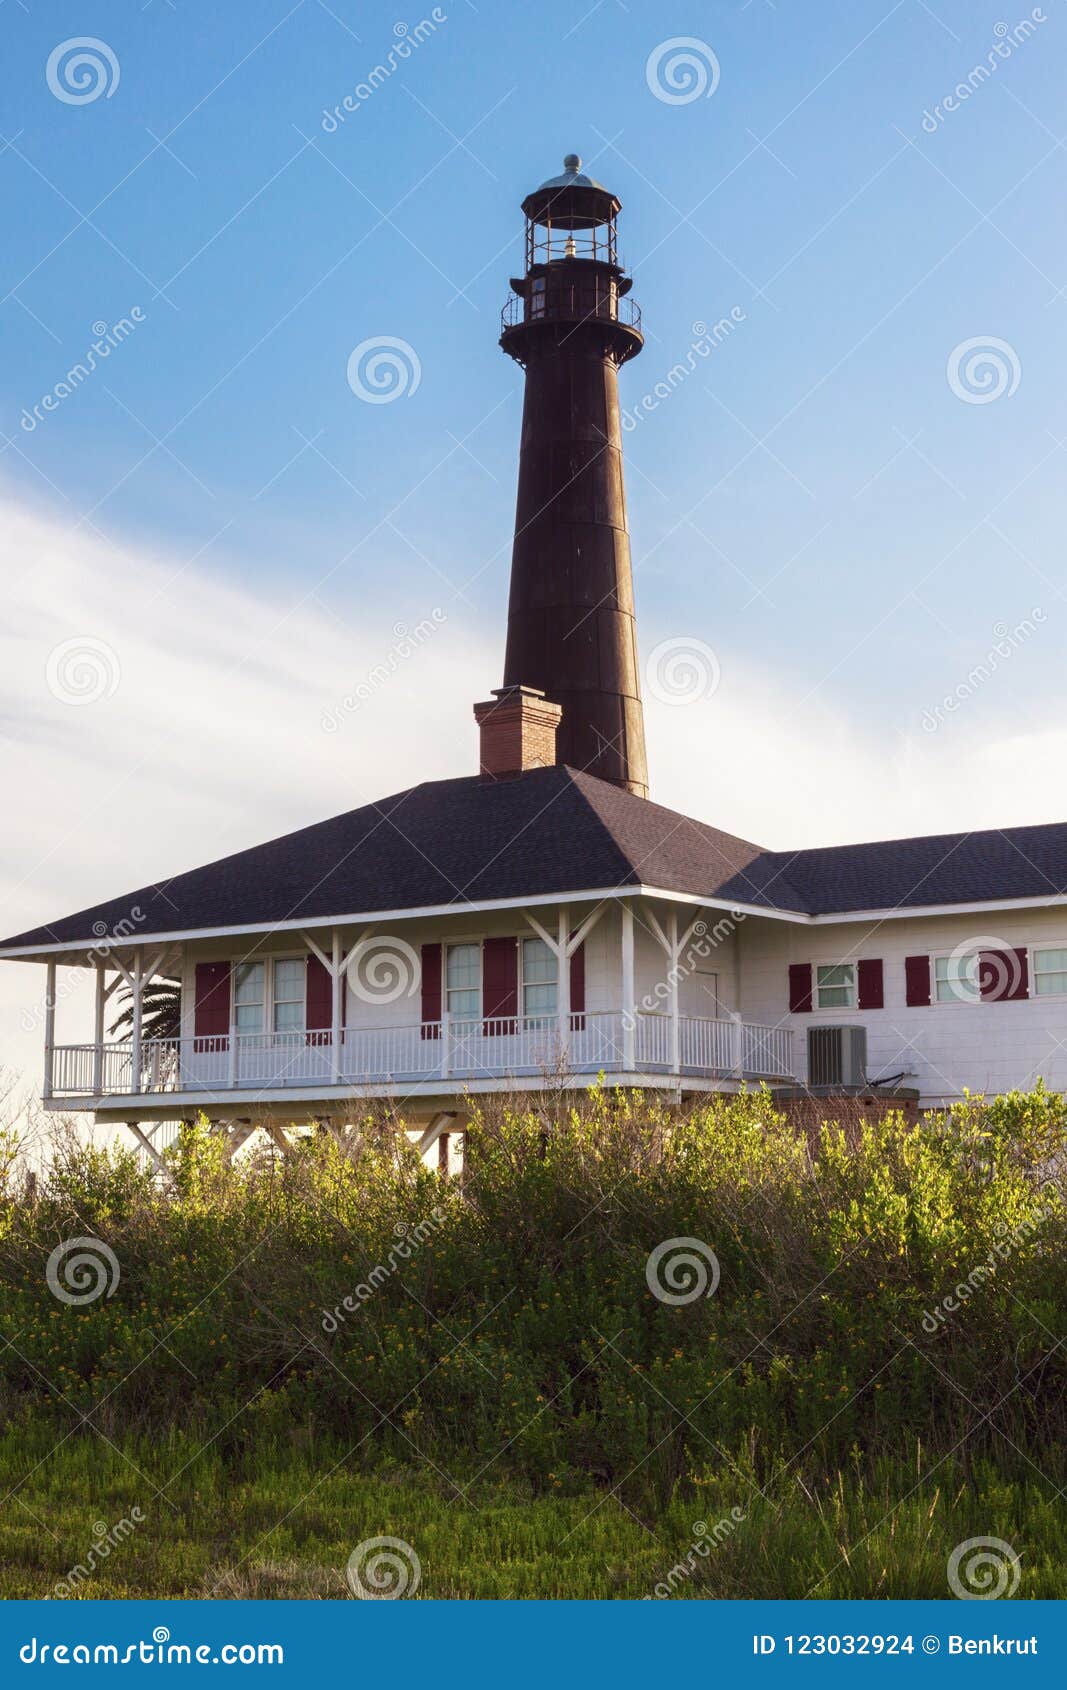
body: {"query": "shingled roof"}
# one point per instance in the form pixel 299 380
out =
pixel 446 842
pixel 555 830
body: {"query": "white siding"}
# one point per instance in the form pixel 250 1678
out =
pixel 949 1047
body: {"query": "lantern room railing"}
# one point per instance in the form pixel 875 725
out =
pixel 579 301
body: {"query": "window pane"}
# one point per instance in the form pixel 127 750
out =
pixel 289 977
pixel 248 983
pixel 1049 983
pixel 1050 962
pixel 539 1000
pixel 834 997
pixel 288 1017
pixel 464 967
pixel 539 963
pixel 464 1005
pixel 956 979
pixel 836 974
pixel 249 1018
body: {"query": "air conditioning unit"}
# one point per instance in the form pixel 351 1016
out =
pixel 837 1056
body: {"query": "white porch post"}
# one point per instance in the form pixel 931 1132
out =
pixel 98 1031
pixel 49 1026
pixel 138 984
pixel 337 986
pixel 629 999
pixel 563 986
pixel 672 936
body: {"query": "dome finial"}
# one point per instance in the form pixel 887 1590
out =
pixel 572 163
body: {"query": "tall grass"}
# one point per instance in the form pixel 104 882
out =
pixel 878 1370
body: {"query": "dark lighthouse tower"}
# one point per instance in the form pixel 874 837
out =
pixel 571 630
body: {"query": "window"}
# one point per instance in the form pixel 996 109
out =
pixel 1050 972
pixel 835 985
pixel 956 978
pixel 540 979
pixel 463 982
pixel 248 996
pixel 290 991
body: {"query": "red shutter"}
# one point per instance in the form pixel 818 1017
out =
pixel 578 987
pixel 318 1002
pixel 500 983
pixel 211 1013
pixel 871 984
pixel 917 980
pixel 1003 976
pixel 800 988
pixel 431 990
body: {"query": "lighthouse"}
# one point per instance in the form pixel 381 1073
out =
pixel 571 631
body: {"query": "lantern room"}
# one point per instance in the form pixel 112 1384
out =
pixel 573 273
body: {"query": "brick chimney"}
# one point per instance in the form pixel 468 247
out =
pixel 518 732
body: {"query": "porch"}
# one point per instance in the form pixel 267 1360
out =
pixel 432 1055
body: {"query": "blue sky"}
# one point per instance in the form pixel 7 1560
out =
pixel 816 502
pixel 853 241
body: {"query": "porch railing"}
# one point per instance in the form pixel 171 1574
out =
pixel 445 1050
